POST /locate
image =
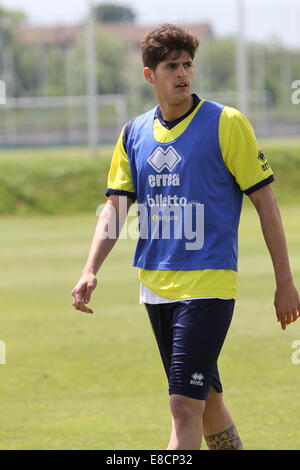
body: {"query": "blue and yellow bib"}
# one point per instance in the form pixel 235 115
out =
pixel 187 175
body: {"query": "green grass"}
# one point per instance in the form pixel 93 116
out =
pixel 52 180
pixel 96 382
pixel 69 181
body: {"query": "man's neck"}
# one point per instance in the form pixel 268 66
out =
pixel 172 112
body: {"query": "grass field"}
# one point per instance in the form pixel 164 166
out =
pixel 96 382
pixel 68 181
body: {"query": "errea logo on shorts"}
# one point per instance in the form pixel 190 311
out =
pixel 197 379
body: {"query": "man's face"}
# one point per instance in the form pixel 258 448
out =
pixel 172 79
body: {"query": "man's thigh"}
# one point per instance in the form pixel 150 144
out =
pixel 190 335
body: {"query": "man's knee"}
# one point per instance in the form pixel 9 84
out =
pixel 186 409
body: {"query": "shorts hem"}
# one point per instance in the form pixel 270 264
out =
pixel 196 396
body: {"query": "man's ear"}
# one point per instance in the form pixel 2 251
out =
pixel 148 75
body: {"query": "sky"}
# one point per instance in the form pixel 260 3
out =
pixel 264 18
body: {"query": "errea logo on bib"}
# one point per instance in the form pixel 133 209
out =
pixel 161 159
pixel 170 179
pixel 164 159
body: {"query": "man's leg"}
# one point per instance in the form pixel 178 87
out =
pixel 190 335
pixel 219 430
pixel 187 418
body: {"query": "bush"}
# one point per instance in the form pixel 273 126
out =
pixel 52 184
pixel 68 181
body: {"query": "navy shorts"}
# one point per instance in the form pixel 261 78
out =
pixel 190 335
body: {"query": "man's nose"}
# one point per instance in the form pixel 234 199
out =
pixel 181 71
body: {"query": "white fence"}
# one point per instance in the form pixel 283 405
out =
pixel 61 120
pixel 64 120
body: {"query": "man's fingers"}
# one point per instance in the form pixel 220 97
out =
pixel 88 292
pixel 291 317
pixel 82 293
pixel 281 318
pixel 78 292
pixel 79 300
pixel 287 318
pixel 295 315
pixel 79 303
pixel 283 324
pixel 82 307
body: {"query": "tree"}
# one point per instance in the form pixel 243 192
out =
pixel 113 13
pixel 17 17
pixel 10 21
pixel 111 63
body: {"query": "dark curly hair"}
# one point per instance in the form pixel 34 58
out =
pixel 161 41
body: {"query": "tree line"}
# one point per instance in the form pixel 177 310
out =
pixel 44 70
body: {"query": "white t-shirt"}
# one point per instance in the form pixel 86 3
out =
pixel 147 296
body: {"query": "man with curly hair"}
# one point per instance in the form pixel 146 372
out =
pixel 189 161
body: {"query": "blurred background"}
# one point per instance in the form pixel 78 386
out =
pixel 73 77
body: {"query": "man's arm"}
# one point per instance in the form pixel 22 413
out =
pixel 112 218
pixel 287 300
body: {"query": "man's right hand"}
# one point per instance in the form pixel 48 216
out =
pixel 82 292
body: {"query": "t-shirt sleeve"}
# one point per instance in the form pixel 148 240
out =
pixel 241 152
pixel 119 180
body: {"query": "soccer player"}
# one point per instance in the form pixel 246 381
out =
pixel 188 162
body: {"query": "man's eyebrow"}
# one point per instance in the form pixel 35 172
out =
pixel 176 61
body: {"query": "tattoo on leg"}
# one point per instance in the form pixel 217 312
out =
pixel 226 440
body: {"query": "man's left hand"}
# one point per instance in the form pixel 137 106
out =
pixel 287 304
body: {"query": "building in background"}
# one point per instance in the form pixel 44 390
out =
pixel 46 102
pixel 129 33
